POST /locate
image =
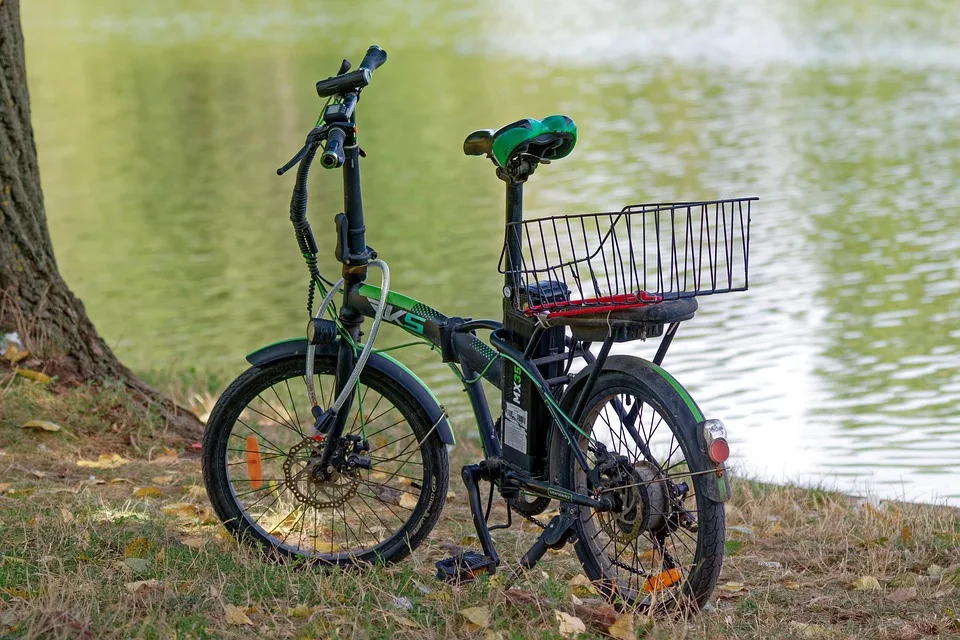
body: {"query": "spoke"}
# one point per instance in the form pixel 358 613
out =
pixel 270 418
pixel 411 434
pixel 374 512
pixel 296 426
pixel 361 397
pixel 268 442
pixel 293 405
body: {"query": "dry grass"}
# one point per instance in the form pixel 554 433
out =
pixel 75 546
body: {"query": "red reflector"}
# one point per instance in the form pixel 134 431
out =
pixel 719 450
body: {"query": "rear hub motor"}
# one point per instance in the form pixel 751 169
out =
pixel 642 497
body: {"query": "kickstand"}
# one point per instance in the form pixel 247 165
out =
pixel 557 533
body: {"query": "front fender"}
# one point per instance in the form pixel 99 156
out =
pixel 381 362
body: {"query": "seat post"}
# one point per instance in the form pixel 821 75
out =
pixel 514 233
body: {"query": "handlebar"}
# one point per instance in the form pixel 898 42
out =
pixel 332 157
pixel 354 80
pixel 373 59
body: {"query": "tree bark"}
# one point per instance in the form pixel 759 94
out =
pixel 33 295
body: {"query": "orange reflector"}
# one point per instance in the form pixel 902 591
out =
pixel 254 468
pixel 719 450
pixel 662 580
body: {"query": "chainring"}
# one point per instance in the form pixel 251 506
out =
pixel 302 483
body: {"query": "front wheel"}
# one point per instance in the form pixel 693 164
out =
pixel 663 544
pixel 257 453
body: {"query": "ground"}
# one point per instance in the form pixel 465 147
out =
pixel 126 546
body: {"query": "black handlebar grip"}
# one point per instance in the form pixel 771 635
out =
pixel 332 157
pixel 374 58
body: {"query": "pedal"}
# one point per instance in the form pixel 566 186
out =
pixel 465 567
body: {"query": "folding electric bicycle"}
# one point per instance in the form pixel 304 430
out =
pixel 332 450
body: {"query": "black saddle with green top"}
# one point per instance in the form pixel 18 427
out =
pixel 549 139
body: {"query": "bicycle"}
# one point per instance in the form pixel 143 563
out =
pixel 354 467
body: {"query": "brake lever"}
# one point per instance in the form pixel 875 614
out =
pixel 315 135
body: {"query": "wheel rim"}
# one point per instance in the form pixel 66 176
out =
pixel 363 510
pixel 643 554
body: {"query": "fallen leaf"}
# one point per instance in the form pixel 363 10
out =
pixel 623 629
pixel 105 461
pixel 5 486
pixel 731 547
pixel 903 594
pixel 301 611
pixel 744 529
pixel 908 579
pixel 876 542
pixel 407 622
pixel 324 546
pixel 15 354
pixel 134 587
pixel 408 500
pixel 147 492
pixel 810 630
pixel 66 516
pixel 197 491
pixel 168 456
pixel 41 425
pixel 181 510
pixel 906 535
pixel 236 615
pixel 451 495
pixel 39 474
pixel 866 583
pixel 36 376
pixel 194 542
pixel 731 590
pixel 137 565
pixel 162 480
pixel 792 584
pixel 137 548
pixel 569 625
pixel 479 616
pixel 16 592
pixel 582 586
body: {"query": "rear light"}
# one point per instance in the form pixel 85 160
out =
pixel 715 441
pixel 719 450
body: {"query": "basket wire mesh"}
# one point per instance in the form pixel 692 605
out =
pixel 642 254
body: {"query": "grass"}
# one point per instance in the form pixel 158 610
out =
pixel 133 551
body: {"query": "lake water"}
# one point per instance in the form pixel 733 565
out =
pixel 160 125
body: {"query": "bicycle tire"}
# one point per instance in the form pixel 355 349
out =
pixel 647 383
pixel 223 494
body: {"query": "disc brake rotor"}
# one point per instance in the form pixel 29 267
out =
pixel 320 494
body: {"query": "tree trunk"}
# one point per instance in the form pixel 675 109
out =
pixel 33 295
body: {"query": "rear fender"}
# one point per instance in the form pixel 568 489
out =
pixel 381 362
pixel 717 491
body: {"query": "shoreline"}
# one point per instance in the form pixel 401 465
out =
pixel 131 548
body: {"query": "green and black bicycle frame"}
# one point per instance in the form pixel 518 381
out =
pixel 530 363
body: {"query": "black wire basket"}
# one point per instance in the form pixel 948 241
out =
pixel 643 254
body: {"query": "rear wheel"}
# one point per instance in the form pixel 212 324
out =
pixel 663 545
pixel 256 466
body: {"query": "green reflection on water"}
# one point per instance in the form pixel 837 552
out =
pixel 160 125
